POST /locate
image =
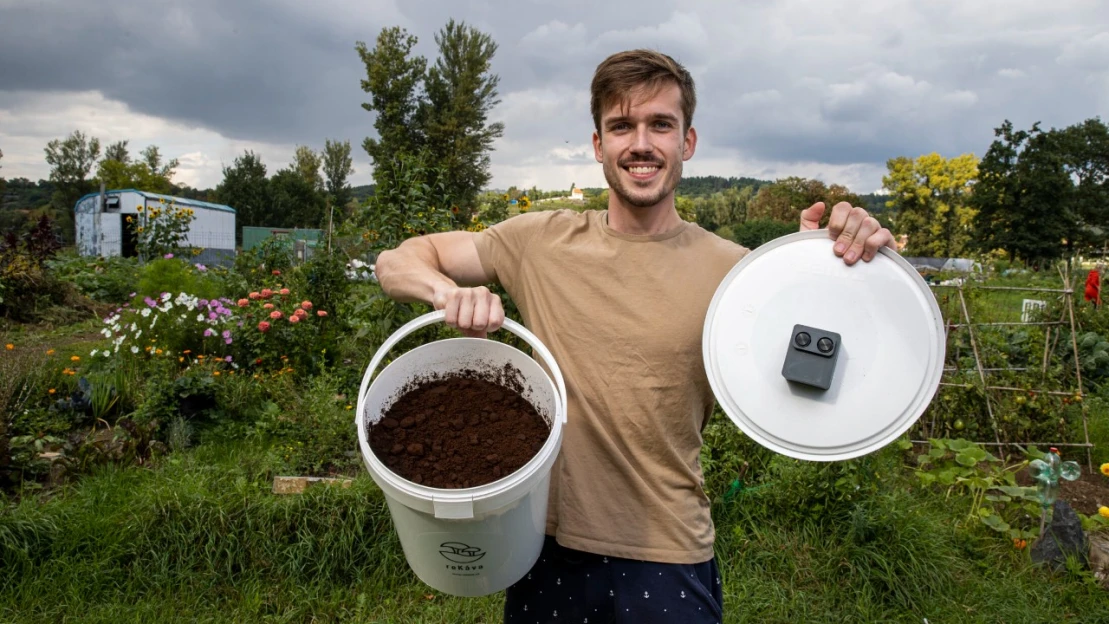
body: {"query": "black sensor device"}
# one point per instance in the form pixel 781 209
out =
pixel 811 356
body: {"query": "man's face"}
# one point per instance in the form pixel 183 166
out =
pixel 642 147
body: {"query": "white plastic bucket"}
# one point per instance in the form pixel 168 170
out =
pixel 473 541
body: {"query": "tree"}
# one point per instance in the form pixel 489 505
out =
pixel 930 196
pixel 786 198
pixel 337 167
pixel 307 163
pixel 393 81
pixel 117 171
pixel 70 159
pixel 461 92
pixel 437 118
pixel 246 189
pixel 1085 149
pixel 152 158
pixel 1022 195
pixel 118 152
pixel 295 201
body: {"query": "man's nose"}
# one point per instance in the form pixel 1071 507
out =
pixel 642 140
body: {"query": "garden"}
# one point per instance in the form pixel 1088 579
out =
pixel 148 407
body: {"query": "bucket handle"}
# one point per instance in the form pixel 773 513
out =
pixel 440 315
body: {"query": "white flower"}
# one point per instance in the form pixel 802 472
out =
pixel 115 327
pixel 165 296
pixel 154 322
pixel 145 312
pixel 134 327
pixel 134 349
pixel 107 332
pixel 200 318
pixel 138 334
pixel 94 352
pixel 118 341
pixel 182 317
pixel 105 352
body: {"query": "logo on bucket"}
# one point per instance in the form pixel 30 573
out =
pixel 460 553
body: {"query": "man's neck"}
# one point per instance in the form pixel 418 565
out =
pixel 657 219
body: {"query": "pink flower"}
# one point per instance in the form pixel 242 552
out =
pixel 255 295
pixel 284 291
pixel 300 312
pixel 294 318
pixel 276 314
pixel 168 256
pixel 264 326
pixel 268 306
pixel 243 303
pixel 321 312
pixel 266 293
pixel 276 272
pixel 307 305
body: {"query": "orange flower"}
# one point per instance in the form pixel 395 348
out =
pixel 49 352
pixel 75 358
pixel 215 373
pixel 9 346
pixel 51 391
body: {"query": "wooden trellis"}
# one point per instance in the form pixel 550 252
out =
pixel 1053 332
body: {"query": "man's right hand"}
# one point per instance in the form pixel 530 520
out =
pixel 474 311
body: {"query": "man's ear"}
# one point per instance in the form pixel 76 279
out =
pixel 689 146
pixel 597 153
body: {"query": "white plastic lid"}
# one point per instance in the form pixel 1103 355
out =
pixel 890 357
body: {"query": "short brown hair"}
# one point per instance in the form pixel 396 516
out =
pixel 620 74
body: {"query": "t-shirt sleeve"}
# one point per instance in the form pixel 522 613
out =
pixel 501 247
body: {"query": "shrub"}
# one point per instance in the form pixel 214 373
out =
pixel 27 288
pixel 109 280
pixel 176 276
pixel 752 234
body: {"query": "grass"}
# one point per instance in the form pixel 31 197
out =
pixel 201 538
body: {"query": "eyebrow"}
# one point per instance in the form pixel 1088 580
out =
pixel 657 117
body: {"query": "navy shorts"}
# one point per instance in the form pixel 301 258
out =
pixel 570 586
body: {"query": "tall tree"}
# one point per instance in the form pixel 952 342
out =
pixel 307 163
pixel 296 202
pixel 461 91
pixel 1085 149
pixel 118 171
pixel 70 159
pixel 1022 196
pixel 246 189
pixel 152 158
pixel 118 152
pixel 930 196
pixel 434 122
pixel 393 80
pixel 337 168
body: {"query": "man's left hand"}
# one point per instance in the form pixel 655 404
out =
pixel 857 234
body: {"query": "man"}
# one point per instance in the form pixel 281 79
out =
pixel 620 298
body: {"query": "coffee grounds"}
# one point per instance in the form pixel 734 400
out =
pixel 458 432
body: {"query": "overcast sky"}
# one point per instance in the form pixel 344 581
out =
pixel 817 88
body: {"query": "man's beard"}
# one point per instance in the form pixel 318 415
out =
pixel 617 187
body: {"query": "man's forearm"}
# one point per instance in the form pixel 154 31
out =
pixel 411 272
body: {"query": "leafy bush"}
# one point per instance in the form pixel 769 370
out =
pixel 110 280
pixel 752 234
pixel 176 276
pixel 163 228
pixel 27 287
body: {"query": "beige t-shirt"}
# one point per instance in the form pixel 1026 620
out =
pixel 623 316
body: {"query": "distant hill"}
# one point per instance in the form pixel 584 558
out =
pixel 362 193
pixel 23 194
pixel 694 186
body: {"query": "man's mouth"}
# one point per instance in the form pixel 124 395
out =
pixel 643 171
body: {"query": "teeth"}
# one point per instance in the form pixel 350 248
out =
pixel 642 169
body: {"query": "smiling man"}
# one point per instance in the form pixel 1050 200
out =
pixel 619 297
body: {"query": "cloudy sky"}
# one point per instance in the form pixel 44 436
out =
pixel 818 88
